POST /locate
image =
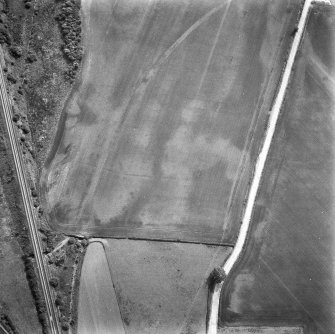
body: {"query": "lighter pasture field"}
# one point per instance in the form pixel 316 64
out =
pixel 98 310
pixel 286 275
pixel 161 286
pixel 161 133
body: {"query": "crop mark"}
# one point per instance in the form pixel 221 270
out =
pixel 141 86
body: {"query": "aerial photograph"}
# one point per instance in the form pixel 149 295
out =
pixel 167 166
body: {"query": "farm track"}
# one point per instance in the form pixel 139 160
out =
pixel 258 171
pixel 36 243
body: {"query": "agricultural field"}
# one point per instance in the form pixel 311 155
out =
pixel 98 310
pixel 161 287
pixel 286 275
pixel 160 134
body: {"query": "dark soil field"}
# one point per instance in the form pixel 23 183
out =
pixel 160 136
pixel 161 286
pixel 286 276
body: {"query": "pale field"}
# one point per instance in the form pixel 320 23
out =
pixel 161 133
pixel 161 286
pixel 98 310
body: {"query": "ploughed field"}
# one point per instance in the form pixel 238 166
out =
pixel 286 275
pixel 160 135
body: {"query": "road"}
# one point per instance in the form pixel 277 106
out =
pixel 258 171
pixel 28 206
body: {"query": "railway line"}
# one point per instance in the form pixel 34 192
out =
pixel 27 201
pixel 3 330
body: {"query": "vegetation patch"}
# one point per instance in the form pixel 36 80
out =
pixel 7 324
pixel 33 280
pixel 16 225
pixel 70 27
pixel 217 276
pixel 37 69
pixel 65 264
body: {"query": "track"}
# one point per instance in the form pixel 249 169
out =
pixel 43 273
pixel 258 171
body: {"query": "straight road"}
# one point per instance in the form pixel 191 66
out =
pixel 43 273
pixel 258 171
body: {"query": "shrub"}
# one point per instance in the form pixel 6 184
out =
pixel 34 193
pixel 58 301
pixel 15 51
pixel 4 36
pixel 65 326
pixel 11 79
pixel 31 58
pixel 217 275
pixel 53 282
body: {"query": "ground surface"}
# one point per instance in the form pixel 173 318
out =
pixel 159 138
pixel 161 286
pixel 98 311
pixel 18 313
pixel 16 301
pixel 33 62
pixel 286 274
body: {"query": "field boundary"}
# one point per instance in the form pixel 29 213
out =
pixel 175 241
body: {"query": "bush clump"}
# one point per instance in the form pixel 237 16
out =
pixel 33 284
pixel 16 51
pixel 53 282
pixel 217 276
pixel 11 78
pixel 70 26
pixel 7 323
pixel 59 300
pixel 5 36
pixel 31 58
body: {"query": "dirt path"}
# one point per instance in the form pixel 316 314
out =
pixel 233 258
